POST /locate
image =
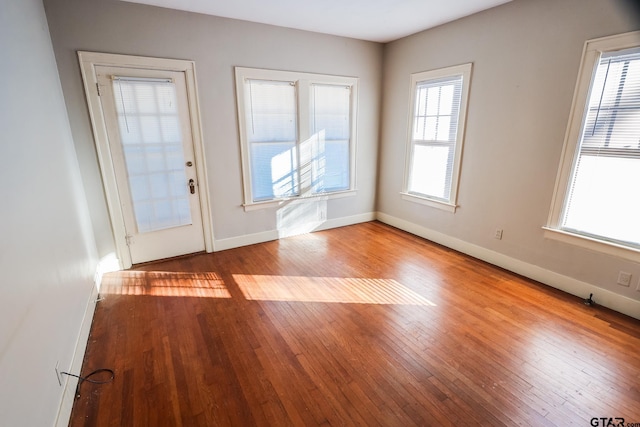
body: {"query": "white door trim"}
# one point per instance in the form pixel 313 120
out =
pixel 88 63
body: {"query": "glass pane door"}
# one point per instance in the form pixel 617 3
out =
pixel 151 136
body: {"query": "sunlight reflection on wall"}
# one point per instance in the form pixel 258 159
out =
pixel 327 289
pixel 107 264
pixel 301 216
pixel 164 284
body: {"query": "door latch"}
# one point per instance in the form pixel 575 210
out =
pixel 192 186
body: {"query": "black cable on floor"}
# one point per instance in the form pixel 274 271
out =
pixel 88 379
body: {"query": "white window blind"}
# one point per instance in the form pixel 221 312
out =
pixel 271 117
pixel 602 199
pixel 331 134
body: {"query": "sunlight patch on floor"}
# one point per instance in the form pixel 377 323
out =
pixel 164 284
pixel 327 289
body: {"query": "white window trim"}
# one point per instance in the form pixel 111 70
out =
pixel 301 80
pixel 603 246
pixel 463 70
pixel 279 202
pixel 449 207
pixel 593 50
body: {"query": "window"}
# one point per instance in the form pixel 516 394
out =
pixel 599 181
pixel 438 110
pixel 297 134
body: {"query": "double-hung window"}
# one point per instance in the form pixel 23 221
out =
pixel 436 134
pixel 597 202
pixel 297 134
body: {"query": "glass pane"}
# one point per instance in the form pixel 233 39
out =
pixel 330 140
pixel 430 174
pixel 436 110
pixel 170 128
pixel 444 128
pixel 614 105
pixel 433 101
pixel 152 143
pixel 273 170
pixel 603 200
pixel 421 101
pixel 431 124
pixel 331 111
pixel 420 128
pixel 329 165
pixel 446 99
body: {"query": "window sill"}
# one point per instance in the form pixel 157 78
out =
pixel 429 202
pixel 593 244
pixel 279 202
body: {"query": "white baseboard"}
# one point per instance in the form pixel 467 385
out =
pixel 266 236
pixel 603 297
pixel 244 240
pixel 70 383
pixel 348 220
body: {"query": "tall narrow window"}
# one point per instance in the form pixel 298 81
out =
pixel 602 166
pixel 438 105
pixel 297 134
pixel 602 198
pixel 331 133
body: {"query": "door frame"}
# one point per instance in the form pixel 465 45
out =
pixel 88 63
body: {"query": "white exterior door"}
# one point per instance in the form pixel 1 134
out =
pixel 148 127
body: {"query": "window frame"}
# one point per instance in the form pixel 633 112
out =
pixel 464 71
pixel 592 52
pixel 303 83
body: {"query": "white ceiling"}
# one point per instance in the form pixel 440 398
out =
pixel 374 20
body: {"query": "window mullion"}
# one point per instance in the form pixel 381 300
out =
pixel 304 143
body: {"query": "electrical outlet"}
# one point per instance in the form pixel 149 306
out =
pixel 624 278
pixel 58 374
pixel 498 234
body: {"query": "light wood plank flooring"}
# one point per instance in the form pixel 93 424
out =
pixel 362 325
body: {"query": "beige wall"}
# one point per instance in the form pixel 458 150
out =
pixel 47 252
pixel 216 45
pixel 526 56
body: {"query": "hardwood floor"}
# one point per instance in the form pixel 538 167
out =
pixel 361 325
